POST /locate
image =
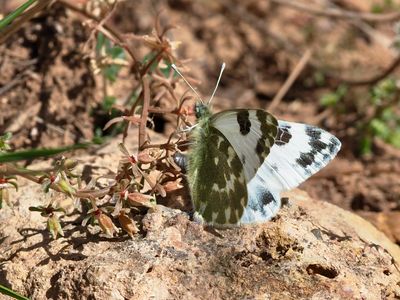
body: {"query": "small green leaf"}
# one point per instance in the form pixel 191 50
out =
pixel 100 42
pixel 4 139
pixel 394 138
pixel 383 90
pixel 332 99
pixel 111 72
pixel 116 52
pixel 379 128
pixel 108 102
pixel 366 145
pixel 329 99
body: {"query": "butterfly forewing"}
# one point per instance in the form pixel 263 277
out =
pixel 216 178
pixel 251 132
pixel 299 151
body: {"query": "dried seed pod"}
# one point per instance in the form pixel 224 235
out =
pixel 145 157
pixel 127 224
pixel 106 224
pixel 138 199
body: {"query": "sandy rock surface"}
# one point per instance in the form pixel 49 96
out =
pixel 311 250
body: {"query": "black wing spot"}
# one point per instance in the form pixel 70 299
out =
pixel 265 197
pixel 334 144
pixel 244 122
pixel 317 145
pixel 260 147
pixel 283 136
pixel 313 132
pixel 307 159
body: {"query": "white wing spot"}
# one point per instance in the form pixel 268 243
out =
pixel 231 156
pixel 228 214
pixel 215 187
pixel 216 160
pixel 214 216
pixel 202 208
pixel 230 184
pixel 220 140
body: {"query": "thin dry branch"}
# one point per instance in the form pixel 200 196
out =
pixel 339 13
pixel 239 12
pixel 145 112
pixel 374 79
pixel 290 80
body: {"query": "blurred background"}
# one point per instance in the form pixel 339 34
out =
pixel 66 70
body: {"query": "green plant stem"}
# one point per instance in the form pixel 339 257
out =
pixel 6 32
pixel 15 14
pixel 11 293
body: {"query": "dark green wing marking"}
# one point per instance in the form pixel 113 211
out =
pixel 216 178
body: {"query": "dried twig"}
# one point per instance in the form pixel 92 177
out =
pixel 239 12
pixel 290 80
pixel 339 13
pixel 372 80
pixel 145 112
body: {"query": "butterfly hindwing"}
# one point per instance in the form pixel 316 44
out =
pixel 216 178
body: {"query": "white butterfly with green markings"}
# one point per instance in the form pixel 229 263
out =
pixel 242 159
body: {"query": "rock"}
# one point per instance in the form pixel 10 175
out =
pixel 388 222
pixel 311 250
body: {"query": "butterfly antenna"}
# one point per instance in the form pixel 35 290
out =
pixel 187 82
pixel 219 79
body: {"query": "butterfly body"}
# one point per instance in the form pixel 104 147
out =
pixel 243 158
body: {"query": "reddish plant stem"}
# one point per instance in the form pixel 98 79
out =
pixel 8 169
pixel 145 112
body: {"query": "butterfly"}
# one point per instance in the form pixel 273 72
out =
pixel 242 159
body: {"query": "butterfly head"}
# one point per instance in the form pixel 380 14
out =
pixel 201 110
